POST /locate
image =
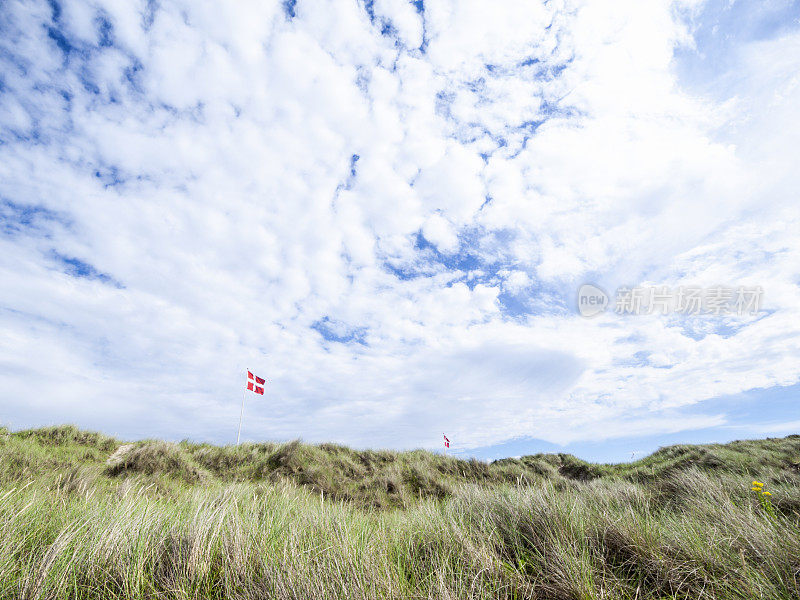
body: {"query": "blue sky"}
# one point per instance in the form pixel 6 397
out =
pixel 386 208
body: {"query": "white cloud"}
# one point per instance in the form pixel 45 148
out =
pixel 441 233
pixel 403 16
pixel 220 187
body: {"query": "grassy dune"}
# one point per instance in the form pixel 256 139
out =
pixel 87 516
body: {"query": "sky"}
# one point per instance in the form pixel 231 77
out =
pixel 386 208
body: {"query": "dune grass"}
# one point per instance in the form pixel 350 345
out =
pixel 86 516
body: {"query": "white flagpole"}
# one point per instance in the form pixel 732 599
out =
pixel 241 414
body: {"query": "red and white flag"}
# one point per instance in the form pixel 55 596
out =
pixel 255 384
pixel 446 441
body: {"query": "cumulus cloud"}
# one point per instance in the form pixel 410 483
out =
pixel 386 208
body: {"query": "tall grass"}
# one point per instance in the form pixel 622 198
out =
pixel 173 523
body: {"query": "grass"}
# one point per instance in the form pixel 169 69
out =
pixel 83 515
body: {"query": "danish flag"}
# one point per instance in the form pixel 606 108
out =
pixel 446 441
pixel 255 384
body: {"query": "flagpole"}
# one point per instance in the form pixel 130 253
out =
pixel 241 414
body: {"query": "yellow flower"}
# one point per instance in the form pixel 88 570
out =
pixel 766 493
pixel 755 489
pixel 758 483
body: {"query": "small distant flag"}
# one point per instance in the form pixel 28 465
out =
pixel 446 441
pixel 255 384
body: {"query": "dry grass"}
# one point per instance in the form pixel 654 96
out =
pixel 173 524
